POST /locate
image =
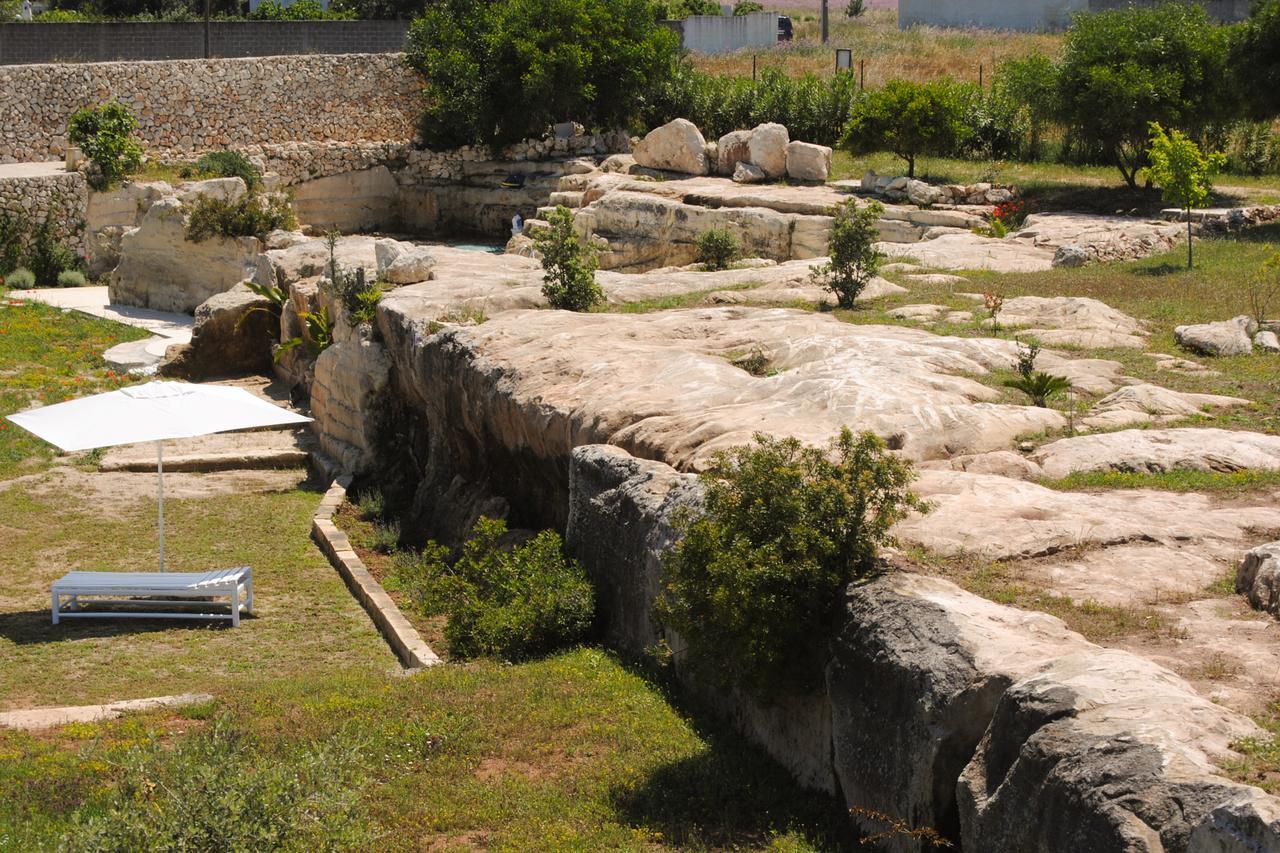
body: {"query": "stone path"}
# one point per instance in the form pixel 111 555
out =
pixel 41 169
pixel 44 718
pixel 166 328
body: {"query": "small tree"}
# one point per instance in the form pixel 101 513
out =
pixel 854 258
pixel 569 267
pixel 718 248
pixel 1182 171
pixel 746 7
pixel 756 586
pixel 911 119
pixel 105 135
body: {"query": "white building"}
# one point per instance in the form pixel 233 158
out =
pixel 1031 15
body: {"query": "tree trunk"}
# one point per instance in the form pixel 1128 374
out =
pixel 1188 238
pixel 911 166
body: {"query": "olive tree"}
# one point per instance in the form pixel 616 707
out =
pixel 911 119
pixel 1122 69
pixel 1182 171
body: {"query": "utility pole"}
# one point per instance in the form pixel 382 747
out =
pixel 825 32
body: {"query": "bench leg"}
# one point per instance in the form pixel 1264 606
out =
pixel 248 588
pixel 235 606
pixel 54 608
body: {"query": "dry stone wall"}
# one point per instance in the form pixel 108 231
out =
pixel 192 106
pixel 62 197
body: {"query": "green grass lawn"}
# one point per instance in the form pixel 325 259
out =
pixel 313 725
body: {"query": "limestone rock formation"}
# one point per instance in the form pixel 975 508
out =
pixel 677 146
pixel 1229 337
pixel 353 201
pixel 1158 450
pixel 233 335
pixel 768 148
pixel 748 173
pixel 1074 321
pixel 217 189
pixel 1266 341
pixel 159 268
pixel 1146 403
pixel 1258 577
pixel 403 263
pixel 808 162
pixel 733 148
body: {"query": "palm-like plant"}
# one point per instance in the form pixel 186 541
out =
pixel 1040 386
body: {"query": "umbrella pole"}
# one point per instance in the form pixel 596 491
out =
pixel 160 472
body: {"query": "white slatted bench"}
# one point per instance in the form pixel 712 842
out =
pixel 153 589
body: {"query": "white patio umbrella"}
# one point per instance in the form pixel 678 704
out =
pixel 156 411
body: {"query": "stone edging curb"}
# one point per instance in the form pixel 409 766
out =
pixel 404 640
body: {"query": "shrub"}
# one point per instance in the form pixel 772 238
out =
pixel 718 248
pixel 746 7
pixel 13 235
pixel 911 119
pixel 358 296
pixel 20 279
pixel 251 215
pixel 1256 63
pixel 1040 387
pixel 1182 171
pixel 1026 88
pixel 756 586
pixel 47 258
pixel 855 9
pixel 512 603
pixel 105 135
pixel 1122 69
pixel 569 267
pixel 299 10
pixel 1253 150
pixel 853 257
pixel 220 789
pixel 71 278
pixel 229 164
pixel 588 60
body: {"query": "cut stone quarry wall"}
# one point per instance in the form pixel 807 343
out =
pixel 62 196
pixel 197 105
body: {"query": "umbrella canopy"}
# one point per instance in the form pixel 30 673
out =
pixel 155 411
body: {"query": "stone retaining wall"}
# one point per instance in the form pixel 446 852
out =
pixel 188 107
pixel 62 196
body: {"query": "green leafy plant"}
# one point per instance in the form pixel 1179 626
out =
pixel 855 9
pixel 1122 69
pixel 223 789
pixel 318 337
pixel 590 60
pixel 386 536
pixel 755 361
pixel 755 586
pixel 569 267
pixel 1040 387
pixel 13 238
pixel 71 278
pixel 1182 172
pixel 47 258
pixel 358 295
pixel 911 119
pixel 511 603
pixel 20 279
pixel 105 135
pixel 718 248
pixel 226 164
pixel 746 7
pixel 251 215
pixel 1256 63
pixel 853 257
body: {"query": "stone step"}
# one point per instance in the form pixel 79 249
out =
pixel 231 451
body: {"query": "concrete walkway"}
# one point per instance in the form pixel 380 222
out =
pixel 41 169
pixel 166 328
pixel 44 718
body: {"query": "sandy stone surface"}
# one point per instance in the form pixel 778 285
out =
pixel 1157 450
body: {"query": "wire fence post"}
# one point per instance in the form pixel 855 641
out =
pixel 979 75
pixel 862 74
pixel 753 68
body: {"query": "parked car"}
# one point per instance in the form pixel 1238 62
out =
pixel 784 28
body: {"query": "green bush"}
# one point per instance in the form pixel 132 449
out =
pixel 47 258
pixel 813 109
pixel 71 278
pixel 745 7
pixel 756 585
pixel 1256 62
pixel 588 60
pixel 221 789
pixel 569 267
pixel 911 119
pixel 299 10
pixel 853 259
pixel 20 279
pixel 105 135
pixel 718 248
pixel 510 603
pixel 13 236
pixel 1025 91
pixel 227 164
pixel 251 215
pixel 1122 69
pixel 855 9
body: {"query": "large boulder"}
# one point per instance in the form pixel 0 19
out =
pixel 232 336
pixel 923 194
pixel 748 173
pixel 159 268
pixel 733 148
pixel 403 263
pixel 768 148
pixel 1229 337
pixel 1267 341
pixel 808 162
pixel 1258 577
pixel 1158 450
pixel 677 146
